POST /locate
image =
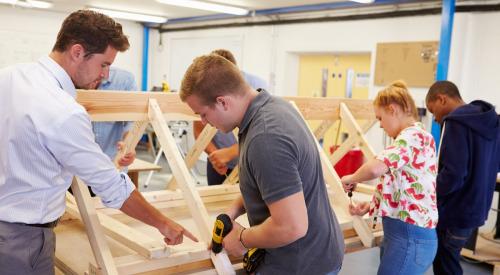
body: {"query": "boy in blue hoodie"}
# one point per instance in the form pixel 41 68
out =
pixel 467 169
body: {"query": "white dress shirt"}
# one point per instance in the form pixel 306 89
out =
pixel 46 138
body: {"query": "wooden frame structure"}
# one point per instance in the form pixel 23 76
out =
pixel 149 253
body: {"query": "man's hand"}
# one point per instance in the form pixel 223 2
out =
pixel 220 157
pixel 359 209
pixel 128 158
pixel 220 169
pixel 348 183
pixel 231 242
pixel 174 233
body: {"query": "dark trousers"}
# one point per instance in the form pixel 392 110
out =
pixel 450 243
pixel 26 249
pixel 214 178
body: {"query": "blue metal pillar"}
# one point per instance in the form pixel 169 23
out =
pixel 145 58
pixel 444 53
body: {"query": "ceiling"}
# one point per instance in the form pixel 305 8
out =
pixel 152 7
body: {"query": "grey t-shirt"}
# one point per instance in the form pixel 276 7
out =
pixel 278 158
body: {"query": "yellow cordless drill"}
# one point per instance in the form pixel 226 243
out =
pixel 252 259
pixel 222 226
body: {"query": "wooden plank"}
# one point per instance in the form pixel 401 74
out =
pixel 194 153
pixel 234 177
pixel 343 149
pixel 186 184
pixel 486 251
pixel 355 130
pixel 129 237
pixel 320 131
pixel 96 237
pixel 63 267
pixel 339 196
pixel 133 106
pixel 133 264
pixel 172 195
pixel 140 165
pixel 131 140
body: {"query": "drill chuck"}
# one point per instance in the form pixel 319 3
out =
pixel 222 226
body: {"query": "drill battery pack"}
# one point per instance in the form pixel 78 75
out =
pixel 252 259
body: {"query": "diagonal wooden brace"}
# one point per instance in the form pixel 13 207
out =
pixel 186 184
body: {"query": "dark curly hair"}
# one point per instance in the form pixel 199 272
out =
pixel 93 30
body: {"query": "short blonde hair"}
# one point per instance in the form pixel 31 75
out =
pixel 397 93
pixel 210 76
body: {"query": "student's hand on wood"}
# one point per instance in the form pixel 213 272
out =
pixel 359 209
pixel 231 242
pixel 220 157
pixel 174 232
pixel 348 183
pixel 128 158
pixel 220 169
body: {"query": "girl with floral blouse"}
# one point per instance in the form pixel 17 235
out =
pixel 405 195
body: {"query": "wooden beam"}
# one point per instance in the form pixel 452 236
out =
pixel 322 128
pixel 129 237
pixel 131 140
pixel 186 184
pixel 332 178
pixel 194 153
pixel 133 106
pixel 174 195
pixel 102 254
pixel 134 264
pixel 234 177
pixel 355 130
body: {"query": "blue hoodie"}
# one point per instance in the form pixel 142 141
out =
pixel 468 165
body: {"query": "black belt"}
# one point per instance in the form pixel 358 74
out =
pixel 44 225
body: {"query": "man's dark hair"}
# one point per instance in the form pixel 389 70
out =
pixel 226 54
pixel 93 30
pixel 443 87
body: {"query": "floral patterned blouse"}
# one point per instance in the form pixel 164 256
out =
pixel 408 190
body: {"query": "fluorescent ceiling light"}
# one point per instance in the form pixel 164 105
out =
pixel 131 16
pixel 193 4
pixel 28 3
pixel 364 1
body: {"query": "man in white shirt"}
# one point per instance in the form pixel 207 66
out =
pixel 47 139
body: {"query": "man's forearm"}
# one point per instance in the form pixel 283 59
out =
pixel 138 208
pixel 269 234
pixel 287 223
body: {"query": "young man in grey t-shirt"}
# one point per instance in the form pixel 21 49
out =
pixel 281 181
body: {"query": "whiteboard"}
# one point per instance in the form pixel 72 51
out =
pixel 21 47
pixel 184 50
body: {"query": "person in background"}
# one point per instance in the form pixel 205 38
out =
pixel 110 135
pixel 281 180
pixel 469 160
pixel 222 151
pixel 47 139
pixel 405 196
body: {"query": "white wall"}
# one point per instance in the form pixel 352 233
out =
pixel 250 46
pixel 27 34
